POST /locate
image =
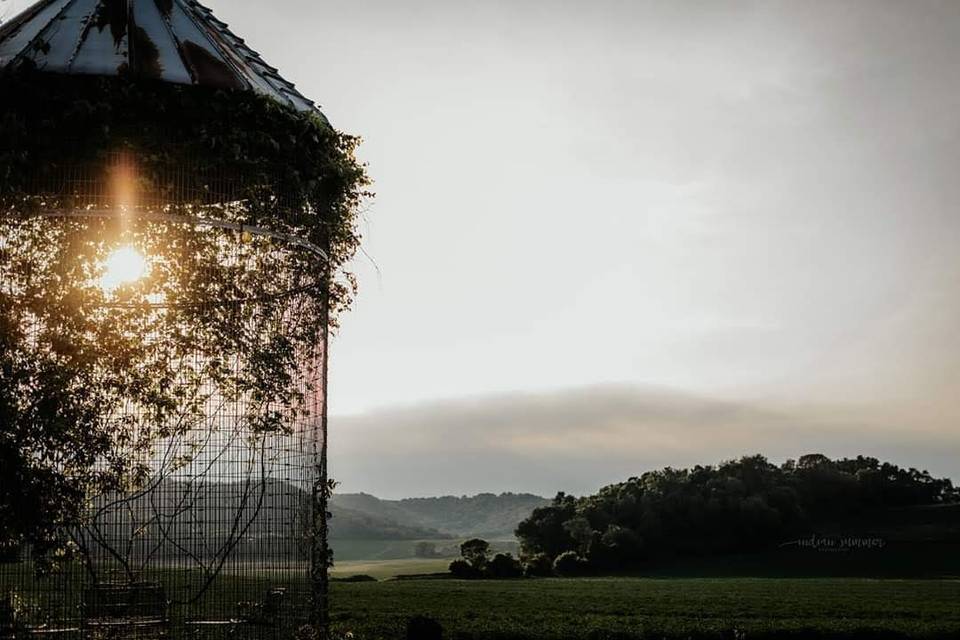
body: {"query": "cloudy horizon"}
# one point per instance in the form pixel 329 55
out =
pixel 580 439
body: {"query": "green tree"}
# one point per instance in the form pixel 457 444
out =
pixel 738 506
pixel 538 566
pixel 570 565
pixel 475 551
pixel 543 531
pixel 580 532
pixel 460 568
pixel 504 565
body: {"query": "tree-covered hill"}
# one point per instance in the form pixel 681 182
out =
pixel 740 506
pixel 486 515
pixel 350 524
pixel 257 510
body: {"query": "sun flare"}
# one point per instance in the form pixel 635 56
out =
pixel 124 266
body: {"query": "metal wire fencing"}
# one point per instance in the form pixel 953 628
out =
pixel 167 369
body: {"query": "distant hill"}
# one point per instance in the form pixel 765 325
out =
pixel 484 515
pixel 261 511
pixel 251 513
pixel 351 524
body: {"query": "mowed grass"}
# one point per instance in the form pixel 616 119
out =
pixel 627 608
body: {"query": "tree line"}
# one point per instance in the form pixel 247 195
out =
pixel 738 506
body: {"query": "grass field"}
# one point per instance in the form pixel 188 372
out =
pixel 626 608
pixel 382 569
pixel 352 550
pixel 620 608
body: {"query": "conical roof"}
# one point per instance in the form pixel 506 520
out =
pixel 178 41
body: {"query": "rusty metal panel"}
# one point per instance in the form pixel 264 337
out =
pixel 177 41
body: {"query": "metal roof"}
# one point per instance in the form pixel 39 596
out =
pixel 178 41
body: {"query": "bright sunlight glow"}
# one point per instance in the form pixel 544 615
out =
pixel 124 266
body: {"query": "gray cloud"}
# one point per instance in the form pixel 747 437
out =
pixel 579 439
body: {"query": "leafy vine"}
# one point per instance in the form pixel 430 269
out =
pixel 224 317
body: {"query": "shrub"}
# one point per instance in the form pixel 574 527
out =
pixel 569 564
pixel 356 578
pixel 538 566
pixel 463 569
pixel 504 565
pixel 475 551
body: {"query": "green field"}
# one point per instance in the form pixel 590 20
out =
pixel 382 569
pixel 353 550
pixel 627 608
pixel 621 608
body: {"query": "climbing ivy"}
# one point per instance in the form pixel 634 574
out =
pixel 214 321
pixel 293 172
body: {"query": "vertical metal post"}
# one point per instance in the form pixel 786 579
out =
pixel 320 555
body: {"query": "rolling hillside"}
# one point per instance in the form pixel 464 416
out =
pixel 484 515
pixel 357 525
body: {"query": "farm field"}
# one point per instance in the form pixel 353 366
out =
pixel 628 608
pixel 357 550
pixel 383 569
pixel 617 608
pixel 353 550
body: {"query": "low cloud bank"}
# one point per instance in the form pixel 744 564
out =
pixel 581 439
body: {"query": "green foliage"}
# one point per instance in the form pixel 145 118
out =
pixel 503 565
pixel 570 565
pixel 539 565
pixel 460 568
pixel 475 551
pixel 738 506
pixel 616 547
pixel 544 531
pixel 475 562
pixel 292 171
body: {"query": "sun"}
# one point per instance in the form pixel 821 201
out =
pixel 124 266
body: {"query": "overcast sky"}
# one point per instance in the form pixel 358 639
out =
pixel 613 235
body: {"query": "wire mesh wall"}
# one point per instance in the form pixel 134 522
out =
pixel 187 494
